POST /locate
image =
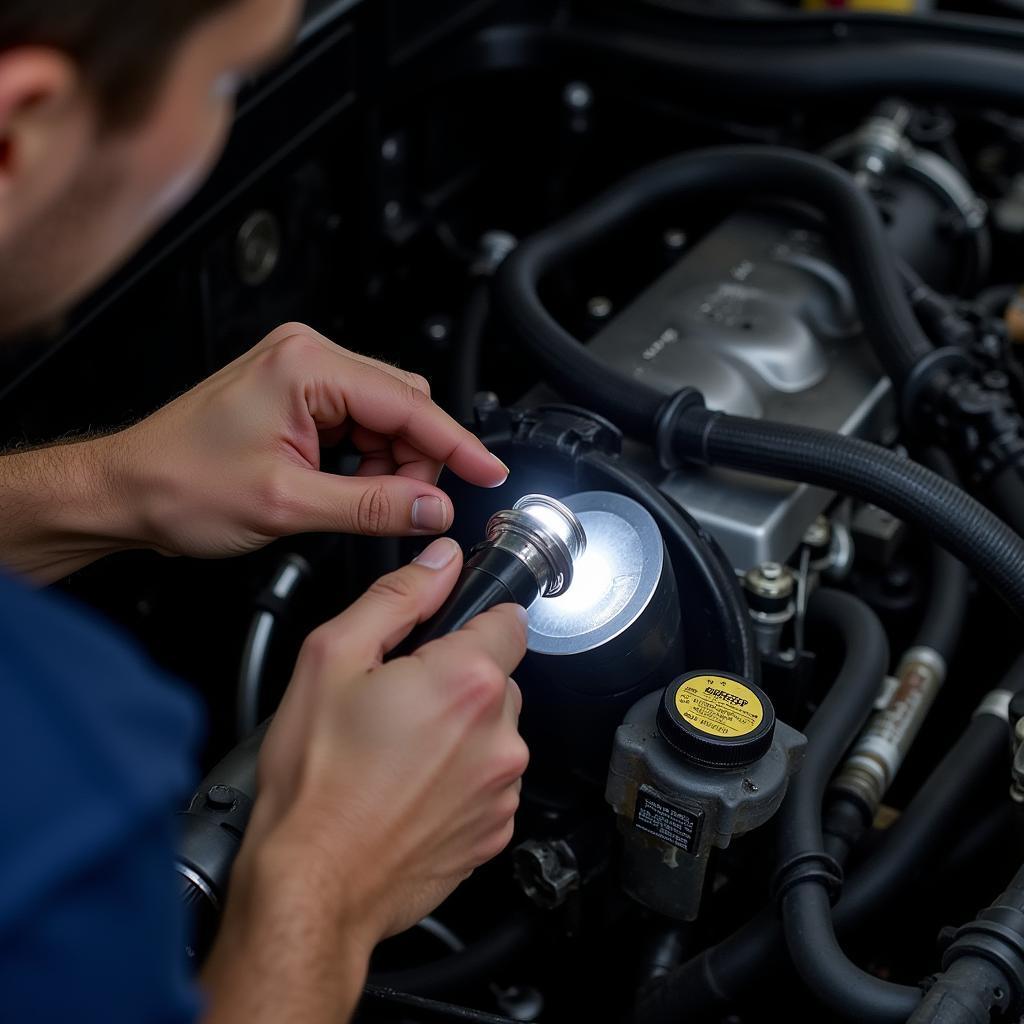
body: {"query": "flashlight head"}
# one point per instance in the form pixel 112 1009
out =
pixel 545 535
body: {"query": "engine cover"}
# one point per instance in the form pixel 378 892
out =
pixel 758 318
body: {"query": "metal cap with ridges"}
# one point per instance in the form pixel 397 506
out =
pixel 717 719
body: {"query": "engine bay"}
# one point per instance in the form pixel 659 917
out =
pixel 740 284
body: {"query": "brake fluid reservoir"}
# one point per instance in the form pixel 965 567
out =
pixel 692 767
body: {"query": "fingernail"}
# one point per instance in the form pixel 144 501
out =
pixel 524 615
pixel 504 469
pixel 429 514
pixel 438 554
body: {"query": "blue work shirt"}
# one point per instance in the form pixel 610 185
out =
pixel 96 756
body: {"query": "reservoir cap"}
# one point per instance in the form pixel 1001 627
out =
pixel 717 720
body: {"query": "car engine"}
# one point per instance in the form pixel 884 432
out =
pixel 740 285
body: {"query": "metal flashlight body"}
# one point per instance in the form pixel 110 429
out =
pixel 528 553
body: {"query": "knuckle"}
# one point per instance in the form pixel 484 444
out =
pixel 321 647
pixel 373 511
pixel 275 502
pixel 483 681
pixel 495 842
pixel 512 763
pixel 420 383
pixel 292 346
pixel 413 396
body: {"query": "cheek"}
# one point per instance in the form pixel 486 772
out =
pixel 177 158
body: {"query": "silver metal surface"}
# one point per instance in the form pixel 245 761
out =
pixel 879 752
pixel 997 703
pixel 757 318
pixel 544 535
pixel 199 882
pixel 771 580
pixel 614 580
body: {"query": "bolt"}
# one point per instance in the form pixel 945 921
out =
pixel 220 798
pixel 770 580
pixel 600 307
pixel 675 238
pixel 578 96
pixel 437 329
pixel 819 533
pixel 257 248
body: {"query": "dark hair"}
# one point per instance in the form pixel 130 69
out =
pixel 123 47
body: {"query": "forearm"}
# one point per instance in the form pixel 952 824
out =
pixel 283 954
pixel 64 506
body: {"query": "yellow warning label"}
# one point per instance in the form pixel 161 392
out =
pixel 719 706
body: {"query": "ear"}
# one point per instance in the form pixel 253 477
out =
pixel 46 127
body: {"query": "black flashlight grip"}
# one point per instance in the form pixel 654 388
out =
pixel 490 577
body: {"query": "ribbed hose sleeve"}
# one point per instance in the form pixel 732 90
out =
pixel 950 516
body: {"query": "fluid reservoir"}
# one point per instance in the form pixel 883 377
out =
pixel 693 766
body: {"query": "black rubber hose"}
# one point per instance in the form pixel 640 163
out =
pixel 911 492
pixel 851 993
pixel 949 592
pixel 471 966
pixel 846 819
pixel 805 902
pixel 724 974
pixel 739 173
pixel 466 362
pixel 1006 494
pixel 840 716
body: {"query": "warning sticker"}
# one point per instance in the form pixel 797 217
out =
pixel 719 706
pixel 671 824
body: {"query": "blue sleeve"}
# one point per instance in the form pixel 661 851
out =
pixel 96 751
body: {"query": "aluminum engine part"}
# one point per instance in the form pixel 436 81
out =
pixel 758 318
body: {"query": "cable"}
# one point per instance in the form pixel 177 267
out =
pixel 463 969
pixel 466 360
pixel 270 604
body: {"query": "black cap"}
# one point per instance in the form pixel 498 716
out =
pixel 717 719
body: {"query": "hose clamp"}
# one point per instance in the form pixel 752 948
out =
pixel 665 426
pixel 996 703
pixel 813 866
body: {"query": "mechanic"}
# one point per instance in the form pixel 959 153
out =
pixel 382 786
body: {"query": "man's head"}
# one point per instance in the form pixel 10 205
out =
pixel 111 114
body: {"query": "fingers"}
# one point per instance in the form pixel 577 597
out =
pixel 500 634
pixel 374 506
pixel 361 636
pixel 384 456
pixel 384 404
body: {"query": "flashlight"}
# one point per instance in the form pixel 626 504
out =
pixel 529 553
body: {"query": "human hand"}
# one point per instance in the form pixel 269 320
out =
pixel 381 787
pixel 235 462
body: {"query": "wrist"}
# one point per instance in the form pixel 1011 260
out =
pixel 63 506
pixel 288 947
pixel 105 508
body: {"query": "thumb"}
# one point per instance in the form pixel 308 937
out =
pixel 376 506
pixel 361 636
